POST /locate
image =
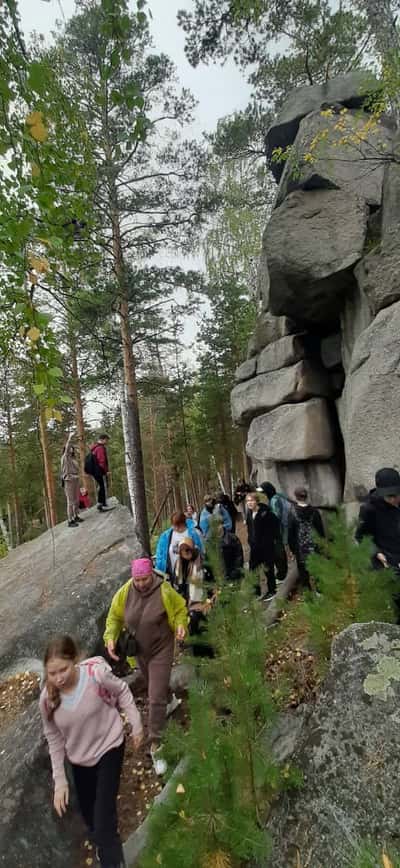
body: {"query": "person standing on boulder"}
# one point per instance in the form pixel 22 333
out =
pixel 264 536
pixel 80 708
pixel 153 615
pixel 379 519
pixel 70 482
pixel 101 470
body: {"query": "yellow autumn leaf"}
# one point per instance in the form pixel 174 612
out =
pixel 48 415
pixel 35 169
pixel 180 789
pixel 39 263
pixel 57 415
pixel 219 859
pixel 39 132
pixel 34 118
pixel 159 859
pixel 33 333
pixel 43 240
pixel 386 862
pixel 22 330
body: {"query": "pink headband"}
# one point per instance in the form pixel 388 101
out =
pixel 141 567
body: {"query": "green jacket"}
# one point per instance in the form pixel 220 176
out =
pixel 174 605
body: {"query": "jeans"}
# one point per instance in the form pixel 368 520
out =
pixel 97 789
pixel 101 493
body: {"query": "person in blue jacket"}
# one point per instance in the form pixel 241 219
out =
pixel 212 508
pixel 167 550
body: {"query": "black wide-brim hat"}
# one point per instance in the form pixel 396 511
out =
pixel 387 482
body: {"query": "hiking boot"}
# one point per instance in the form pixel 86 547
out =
pixel 73 523
pixel 78 519
pixel 173 705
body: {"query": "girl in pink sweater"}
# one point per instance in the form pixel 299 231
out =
pixel 80 707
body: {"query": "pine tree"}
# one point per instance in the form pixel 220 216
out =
pixel 349 590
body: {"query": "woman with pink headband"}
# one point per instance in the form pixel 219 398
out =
pixel 153 614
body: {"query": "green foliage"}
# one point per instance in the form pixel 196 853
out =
pixel 215 813
pixel 349 590
pixel 370 856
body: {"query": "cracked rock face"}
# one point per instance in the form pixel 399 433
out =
pixel 63 581
pixel 348 754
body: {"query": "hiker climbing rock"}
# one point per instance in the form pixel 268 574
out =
pixel 80 707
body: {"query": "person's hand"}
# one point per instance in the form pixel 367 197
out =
pixel 180 633
pixel 61 799
pixel 111 649
pixel 137 740
pixel 381 557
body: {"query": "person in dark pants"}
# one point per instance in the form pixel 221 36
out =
pixel 99 451
pixel 379 519
pixel 80 707
pixel 264 535
pixel 304 521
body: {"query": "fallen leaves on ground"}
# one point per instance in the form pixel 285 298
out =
pixel 16 693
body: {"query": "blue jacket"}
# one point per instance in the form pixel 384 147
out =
pixel 162 550
pixel 206 517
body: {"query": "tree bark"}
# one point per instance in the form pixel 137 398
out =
pixel 48 470
pixel 80 424
pixel 13 468
pixel 134 446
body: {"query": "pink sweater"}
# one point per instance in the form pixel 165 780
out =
pixel 84 727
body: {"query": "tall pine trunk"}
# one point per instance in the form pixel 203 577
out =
pixel 13 468
pixel 80 424
pixel 135 467
pixel 48 470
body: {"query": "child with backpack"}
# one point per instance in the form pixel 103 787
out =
pixel 80 706
pixel 304 522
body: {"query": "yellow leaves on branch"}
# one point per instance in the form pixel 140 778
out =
pixel 33 334
pixel 53 414
pixel 39 263
pixel 36 127
pixel 386 862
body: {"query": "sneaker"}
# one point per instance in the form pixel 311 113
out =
pixel 73 523
pixel 159 764
pixel 266 598
pixel 78 519
pixel 173 705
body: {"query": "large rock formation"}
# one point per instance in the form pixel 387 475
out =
pixel 319 392
pixel 347 752
pixel 61 582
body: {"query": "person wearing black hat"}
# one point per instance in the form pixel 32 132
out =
pixel 379 519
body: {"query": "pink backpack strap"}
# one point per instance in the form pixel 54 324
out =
pixel 92 670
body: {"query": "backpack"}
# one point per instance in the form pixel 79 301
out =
pixel 91 465
pixel 93 664
pixel 281 507
pixel 305 538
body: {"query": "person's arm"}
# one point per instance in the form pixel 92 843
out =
pixel 125 701
pixel 318 523
pixel 176 609
pixel 366 523
pixel 115 619
pixel 56 743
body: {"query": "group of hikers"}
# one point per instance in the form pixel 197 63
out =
pixel 166 599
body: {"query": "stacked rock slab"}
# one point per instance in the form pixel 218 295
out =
pixel 320 389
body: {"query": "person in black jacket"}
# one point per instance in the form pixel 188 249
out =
pixel 304 521
pixel 264 535
pixel 379 519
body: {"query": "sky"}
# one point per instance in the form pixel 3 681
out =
pixel 219 90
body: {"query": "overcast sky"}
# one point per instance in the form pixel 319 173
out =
pixel 219 90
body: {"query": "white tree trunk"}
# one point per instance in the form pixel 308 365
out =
pixel 129 446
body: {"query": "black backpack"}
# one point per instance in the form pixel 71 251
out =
pixel 91 465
